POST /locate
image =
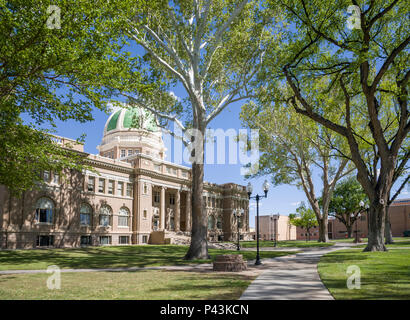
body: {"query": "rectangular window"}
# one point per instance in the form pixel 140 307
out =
pixel 156 197
pixel 45 241
pixel 105 240
pixel 46 176
pixel 110 187
pixel 123 153
pixel 129 189
pixel 157 167
pixel 56 178
pixel 172 199
pixel 44 215
pixel 130 152
pixel 91 184
pixel 85 240
pixel 144 239
pixel 85 219
pixel 101 185
pixel 123 221
pixel 120 188
pixel 124 239
pixel 145 214
pixel 104 220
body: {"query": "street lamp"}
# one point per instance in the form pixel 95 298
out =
pixel 237 213
pixel 249 189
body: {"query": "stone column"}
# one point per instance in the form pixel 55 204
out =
pixel 162 209
pixel 177 214
pixel 188 212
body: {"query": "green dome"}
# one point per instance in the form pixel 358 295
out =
pixel 134 118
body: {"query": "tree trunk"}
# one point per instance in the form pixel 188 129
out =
pixel 198 248
pixel 388 236
pixel 376 227
pixel 349 230
pixel 323 230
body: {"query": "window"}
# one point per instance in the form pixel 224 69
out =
pixel 172 199
pixel 46 176
pixel 104 240
pixel 44 210
pixel 219 223
pixel 145 188
pixel 130 152
pixel 56 178
pixel 91 184
pixel 123 217
pixel 184 174
pixel 209 201
pixel 169 170
pixel 144 239
pixel 105 215
pixel 45 241
pixel 85 240
pixel 156 197
pixel 101 185
pixel 174 171
pixel 129 189
pixel 85 215
pixel 157 167
pixel 124 239
pixel 120 188
pixel 145 214
pixel 211 222
pixel 110 187
pixel 123 153
pixel 213 202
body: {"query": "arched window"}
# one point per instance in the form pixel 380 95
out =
pixel 211 222
pixel 123 217
pixel 44 210
pixel 85 214
pixel 105 215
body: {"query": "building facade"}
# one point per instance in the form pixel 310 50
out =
pixel 399 212
pixel 132 195
pixel 277 227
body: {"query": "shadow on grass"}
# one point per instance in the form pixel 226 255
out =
pixel 110 257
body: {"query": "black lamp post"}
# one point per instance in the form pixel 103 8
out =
pixel 237 214
pixel 249 189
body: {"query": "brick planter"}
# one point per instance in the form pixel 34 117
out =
pixel 229 262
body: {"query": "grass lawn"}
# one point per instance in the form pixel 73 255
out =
pixel 394 245
pixel 141 285
pixel 285 244
pixel 350 240
pixel 384 275
pixel 111 257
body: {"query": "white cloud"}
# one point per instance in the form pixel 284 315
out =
pixel 295 204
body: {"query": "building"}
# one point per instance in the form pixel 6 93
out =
pixel 276 225
pixel 399 218
pixel 132 195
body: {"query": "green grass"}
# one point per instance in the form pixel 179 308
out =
pixel 285 244
pixel 111 257
pixel 141 285
pixel 350 240
pixel 384 275
pixel 393 245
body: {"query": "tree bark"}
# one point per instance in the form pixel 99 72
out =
pixel 198 248
pixel 349 230
pixel 323 230
pixel 388 236
pixel 376 228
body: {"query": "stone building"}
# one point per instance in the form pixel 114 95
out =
pixel 132 195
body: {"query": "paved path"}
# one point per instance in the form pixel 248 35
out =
pixel 291 278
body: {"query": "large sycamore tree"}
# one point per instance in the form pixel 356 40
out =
pixel 294 150
pixel 326 56
pixel 58 61
pixel 209 50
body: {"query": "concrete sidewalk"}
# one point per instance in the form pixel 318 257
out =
pixel 291 278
